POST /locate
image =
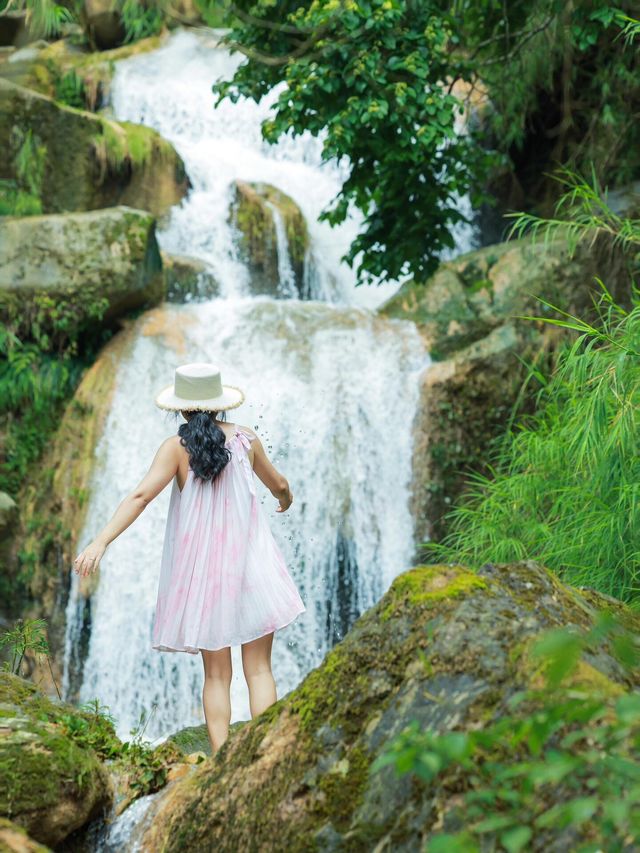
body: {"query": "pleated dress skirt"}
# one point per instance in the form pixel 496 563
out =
pixel 223 579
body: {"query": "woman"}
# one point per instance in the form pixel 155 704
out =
pixel 223 580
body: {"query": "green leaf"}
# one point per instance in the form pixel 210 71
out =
pixel 516 839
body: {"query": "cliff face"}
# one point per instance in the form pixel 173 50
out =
pixel 445 647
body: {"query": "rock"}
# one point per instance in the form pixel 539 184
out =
pixel 472 316
pixel 102 23
pixel 193 739
pixel 256 212
pixel 85 161
pixel 468 297
pixel 13 839
pixel 49 784
pixel 70 74
pixel 301 772
pixel 465 402
pixel 187 279
pixel 92 267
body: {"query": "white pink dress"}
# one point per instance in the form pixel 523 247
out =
pixel 223 579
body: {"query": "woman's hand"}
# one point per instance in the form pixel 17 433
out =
pixel 285 501
pixel 88 560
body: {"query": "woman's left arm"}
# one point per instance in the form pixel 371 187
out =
pixel 162 470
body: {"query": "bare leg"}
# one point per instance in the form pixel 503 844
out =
pixel 216 697
pixel 256 663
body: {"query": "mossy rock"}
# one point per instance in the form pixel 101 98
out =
pixel 465 402
pixel 72 273
pixel 187 279
pixel 195 738
pixel 49 784
pixel 472 314
pixel 477 292
pixel 192 739
pixel 88 161
pixel 253 211
pixel 445 646
pixel 14 839
pixel 66 72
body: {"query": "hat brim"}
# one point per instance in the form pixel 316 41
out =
pixel 230 398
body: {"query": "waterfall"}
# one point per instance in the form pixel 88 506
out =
pixel 287 279
pixel 331 388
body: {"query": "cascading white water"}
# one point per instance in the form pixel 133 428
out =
pixel 286 275
pixel 331 388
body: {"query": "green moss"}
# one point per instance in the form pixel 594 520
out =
pixel 192 739
pixel 428 584
pixel 343 787
pixel 252 213
pixel 39 761
pixel 124 143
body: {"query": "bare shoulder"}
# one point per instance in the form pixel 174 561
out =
pixel 172 446
pixel 247 431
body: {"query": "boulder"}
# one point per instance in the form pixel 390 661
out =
pixel 446 647
pixel 13 839
pixel 470 296
pixel 259 212
pixel 81 161
pixel 187 279
pixel 76 271
pixel 50 783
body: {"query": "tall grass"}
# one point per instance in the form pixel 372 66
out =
pixel 564 488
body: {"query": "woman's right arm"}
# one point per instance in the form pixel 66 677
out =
pixel 162 470
pixel 270 476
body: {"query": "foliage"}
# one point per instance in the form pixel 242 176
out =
pixel 145 766
pixel 141 20
pixel 374 79
pixel 582 213
pixel 21 197
pixel 564 484
pixel 69 88
pixel 367 78
pixel 33 386
pixel 563 760
pixel 28 635
pixel 44 17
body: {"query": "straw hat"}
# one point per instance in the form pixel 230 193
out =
pixel 199 387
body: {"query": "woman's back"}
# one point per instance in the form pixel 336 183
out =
pixel 223 577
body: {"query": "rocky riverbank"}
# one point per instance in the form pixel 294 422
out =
pixel 446 648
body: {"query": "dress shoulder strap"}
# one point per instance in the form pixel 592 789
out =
pixel 251 436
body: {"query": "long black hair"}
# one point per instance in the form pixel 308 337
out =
pixel 204 441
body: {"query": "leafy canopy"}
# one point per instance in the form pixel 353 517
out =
pixel 375 80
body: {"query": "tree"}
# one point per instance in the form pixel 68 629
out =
pixel 374 79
